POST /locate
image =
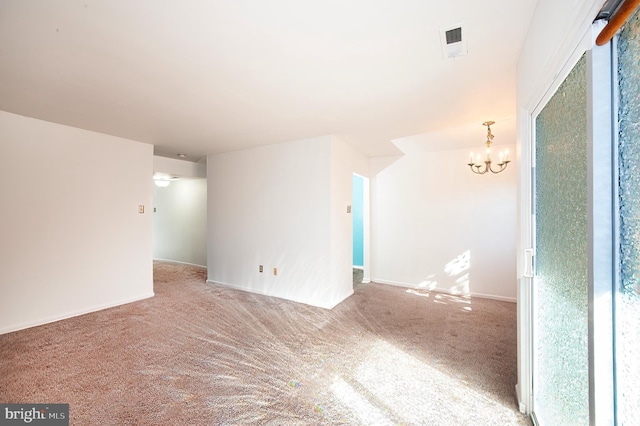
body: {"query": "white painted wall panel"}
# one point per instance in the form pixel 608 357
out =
pixel 344 162
pixel 270 206
pixel 71 238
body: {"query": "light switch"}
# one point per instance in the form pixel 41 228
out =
pixel 140 209
pixel 349 209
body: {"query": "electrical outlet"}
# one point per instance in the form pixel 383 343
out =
pixel 260 268
pixel 275 271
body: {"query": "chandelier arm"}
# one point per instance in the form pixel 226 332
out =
pixel 477 170
pixel 502 165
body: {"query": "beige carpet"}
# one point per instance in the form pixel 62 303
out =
pixel 202 354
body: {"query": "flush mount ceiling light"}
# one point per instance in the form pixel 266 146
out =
pixel 182 155
pixel 504 156
pixel 163 180
pixel 162 183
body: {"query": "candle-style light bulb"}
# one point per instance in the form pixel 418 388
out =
pixel 501 155
pixel 506 155
pixel 471 157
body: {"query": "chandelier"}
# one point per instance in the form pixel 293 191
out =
pixel 478 167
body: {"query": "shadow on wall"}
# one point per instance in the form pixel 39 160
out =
pixel 458 269
pixel 429 203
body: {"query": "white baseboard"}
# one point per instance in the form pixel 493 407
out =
pixel 177 261
pixel 67 315
pixel 264 293
pixel 494 297
pixel 358 267
pixel 394 283
pixel 241 288
pixel 444 290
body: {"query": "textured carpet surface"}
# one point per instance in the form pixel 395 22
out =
pixel 202 354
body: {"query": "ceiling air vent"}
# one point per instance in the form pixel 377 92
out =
pixel 453 45
pixel 454 35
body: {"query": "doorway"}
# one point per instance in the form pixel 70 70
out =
pixel 180 222
pixel 360 229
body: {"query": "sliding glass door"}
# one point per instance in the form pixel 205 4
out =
pixel 560 285
pixel 584 294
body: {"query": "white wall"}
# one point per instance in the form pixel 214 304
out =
pixel 176 167
pixel 72 240
pixel 180 222
pixel 436 225
pixel 283 206
pixel 270 206
pixel 344 162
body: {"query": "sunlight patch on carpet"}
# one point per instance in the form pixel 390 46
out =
pixel 358 404
pixel 413 391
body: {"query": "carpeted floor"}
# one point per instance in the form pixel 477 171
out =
pixel 202 354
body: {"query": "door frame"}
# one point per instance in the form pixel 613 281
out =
pixel 528 114
pixel 602 166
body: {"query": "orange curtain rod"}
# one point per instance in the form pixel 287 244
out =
pixel 617 20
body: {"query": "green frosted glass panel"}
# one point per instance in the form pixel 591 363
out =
pixel 561 368
pixel 628 299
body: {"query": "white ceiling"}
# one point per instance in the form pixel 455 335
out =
pixel 208 76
